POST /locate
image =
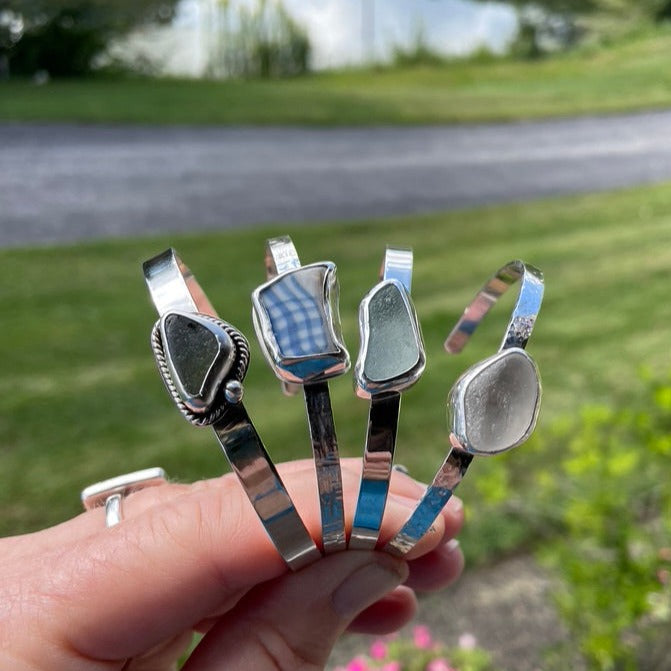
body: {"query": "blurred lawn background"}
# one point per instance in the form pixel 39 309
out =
pixel 630 73
pixel 81 399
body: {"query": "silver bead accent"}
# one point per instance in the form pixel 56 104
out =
pixel 234 391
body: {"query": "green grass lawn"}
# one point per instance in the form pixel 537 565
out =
pixel 80 399
pixel 629 75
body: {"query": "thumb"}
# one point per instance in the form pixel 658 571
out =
pixel 292 622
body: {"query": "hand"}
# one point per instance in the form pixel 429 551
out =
pixel 82 597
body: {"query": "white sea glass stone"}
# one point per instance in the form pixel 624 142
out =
pixel 494 405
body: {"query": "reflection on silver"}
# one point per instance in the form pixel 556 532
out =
pixel 110 492
pixel 297 323
pixel 203 362
pixel 524 313
pixel 391 359
pixel 494 405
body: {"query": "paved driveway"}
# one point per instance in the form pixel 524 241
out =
pixel 68 182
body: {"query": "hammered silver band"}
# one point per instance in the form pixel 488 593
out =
pixel 110 493
pixel 216 399
pixel 510 367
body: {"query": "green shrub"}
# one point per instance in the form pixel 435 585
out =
pixel 67 38
pixel 613 498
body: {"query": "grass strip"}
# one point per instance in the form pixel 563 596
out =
pixel 630 74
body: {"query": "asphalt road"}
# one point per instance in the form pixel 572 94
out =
pixel 63 183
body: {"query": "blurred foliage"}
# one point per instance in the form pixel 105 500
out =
pixel 614 555
pixel 656 9
pixel 260 41
pixel 600 498
pixel 418 53
pixel 547 26
pixel 540 32
pixel 66 37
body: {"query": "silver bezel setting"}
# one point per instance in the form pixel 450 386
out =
pixel 456 408
pixel 219 369
pixel 334 363
pixel 219 401
pixel 364 386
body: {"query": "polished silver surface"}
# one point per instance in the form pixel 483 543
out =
pixel 218 376
pixel 438 493
pixel 110 492
pixel 524 313
pixel 494 405
pixel 327 465
pixel 297 323
pixel 391 359
pixel 378 457
pixel 264 487
pixel 113 510
pixel 397 265
pixel 281 255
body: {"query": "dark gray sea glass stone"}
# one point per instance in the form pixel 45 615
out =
pixel 393 345
pixel 500 403
pixel 199 353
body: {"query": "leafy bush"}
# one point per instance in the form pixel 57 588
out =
pixel 418 53
pixel 65 37
pixel 594 501
pixel 614 502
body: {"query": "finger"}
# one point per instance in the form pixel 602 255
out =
pixel 387 615
pixel 138 502
pixel 293 622
pixel 178 562
pixel 185 552
pixel 431 572
pixel 162 657
pixel 436 569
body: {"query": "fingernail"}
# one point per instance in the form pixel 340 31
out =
pixel 452 545
pixel 455 504
pixel 368 584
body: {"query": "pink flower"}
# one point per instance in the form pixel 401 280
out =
pixel 391 666
pixel 378 649
pixel 467 641
pixel 358 664
pixel 421 637
pixel 439 664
